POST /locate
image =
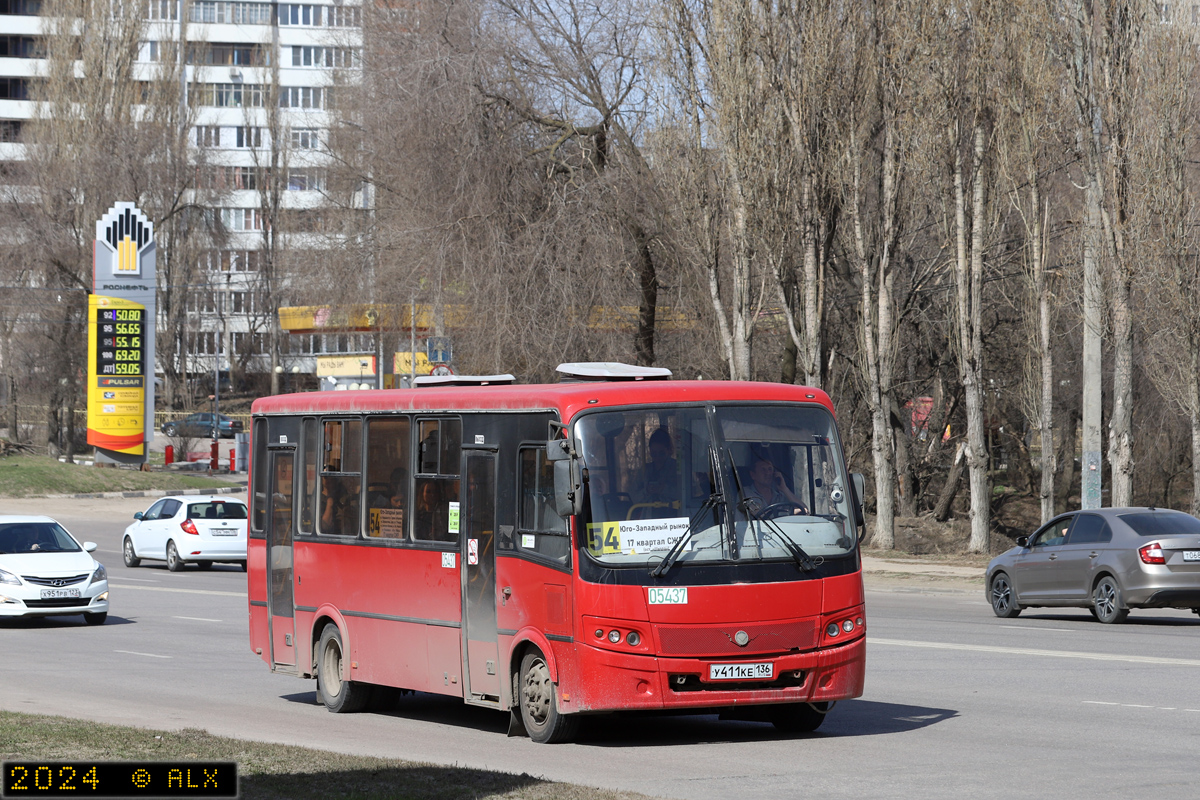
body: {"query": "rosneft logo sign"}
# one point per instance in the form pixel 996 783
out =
pixel 127 233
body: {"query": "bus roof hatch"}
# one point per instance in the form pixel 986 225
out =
pixel 463 380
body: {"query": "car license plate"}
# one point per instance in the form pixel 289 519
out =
pixel 741 672
pixel 1191 555
pixel 223 531
pixel 48 594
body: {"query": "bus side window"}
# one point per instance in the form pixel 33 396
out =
pixel 387 477
pixel 341 479
pixel 540 530
pixel 435 506
pixel 258 499
pixel 308 480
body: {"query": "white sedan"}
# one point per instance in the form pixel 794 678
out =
pixel 199 529
pixel 45 571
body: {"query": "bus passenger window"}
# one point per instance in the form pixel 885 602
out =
pixel 387 477
pixel 541 529
pixel 431 509
pixel 308 479
pixel 341 479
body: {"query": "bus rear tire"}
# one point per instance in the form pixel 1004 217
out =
pixel 537 696
pixel 339 696
pixel 799 717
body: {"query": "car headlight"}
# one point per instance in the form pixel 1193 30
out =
pixel 101 574
pixel 8 577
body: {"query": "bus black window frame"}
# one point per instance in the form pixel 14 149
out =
pixel 341 473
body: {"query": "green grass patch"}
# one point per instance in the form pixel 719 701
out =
pixel 269 771
pixel 30 476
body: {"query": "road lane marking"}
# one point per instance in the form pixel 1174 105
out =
pixel 1036 628
pixel 1024 651
pixel 198 619
pixel 181 591
pixel 1134 705
pixel 147 655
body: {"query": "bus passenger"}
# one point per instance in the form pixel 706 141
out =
pixel 429 513
pixel 660 481
pixel 767 488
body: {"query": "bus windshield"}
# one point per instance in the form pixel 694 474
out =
pixel 737 482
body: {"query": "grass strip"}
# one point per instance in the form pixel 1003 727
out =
pixel 31 476
pixel 269 771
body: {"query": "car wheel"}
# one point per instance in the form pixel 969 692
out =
pixel 1106 601
pixel 799 717
pixel 169 429
pixel 1004 599
pixel 340 696
pixel 174 562
pixel 131 559
pixel 243 565
pixel 539 706
pixel 95 619
pixel 204 564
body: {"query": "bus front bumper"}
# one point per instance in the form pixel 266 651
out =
pixel 620 681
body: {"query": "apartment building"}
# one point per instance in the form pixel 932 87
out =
pixel 244 59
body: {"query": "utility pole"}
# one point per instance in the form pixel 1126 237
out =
pixel 1093 333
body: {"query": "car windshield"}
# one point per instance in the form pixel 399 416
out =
pixel 1162 523
pixel 36 537
pixel 219 509
pixel 653 474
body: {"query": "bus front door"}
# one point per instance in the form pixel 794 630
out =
pixel 480 649
pixel 279 559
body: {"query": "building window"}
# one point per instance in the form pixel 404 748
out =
pixel 306 180
pixel 327 57
pixel 312 97
pixel 208 136
pixel 229 95
pixel 21 47
pixel 305 139
pixel 10 130
pixel 241 219
pixel 14 89
pixel 225 54
pixel 248 137
pixel 167 10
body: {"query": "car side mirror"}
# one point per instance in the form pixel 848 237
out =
pixel 138 515
pixel 90 546
pixel 1022 541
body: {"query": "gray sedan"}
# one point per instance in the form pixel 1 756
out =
pixel 1107 560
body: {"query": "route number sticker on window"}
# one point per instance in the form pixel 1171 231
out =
pixel 635 537
pixel 448 560
pixel 666 595
pixel 452 517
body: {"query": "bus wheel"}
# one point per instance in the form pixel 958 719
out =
pixel 339 696
pixel 799 717
pixel 539 708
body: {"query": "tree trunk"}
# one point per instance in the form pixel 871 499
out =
pixel 1041 291
pixel 906 490
pixel 1194 392
pixel 1070 440
pixel 941 511
pixel 968 285
pixel 648 298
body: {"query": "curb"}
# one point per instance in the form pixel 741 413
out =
pixel 144 493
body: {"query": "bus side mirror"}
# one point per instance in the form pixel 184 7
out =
pixel 860 488
pixel 568 487
pixel 558 449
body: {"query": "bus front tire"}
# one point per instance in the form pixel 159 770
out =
pixel 537 695
pixel 799 717
pixel 340 696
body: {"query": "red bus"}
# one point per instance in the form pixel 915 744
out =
pixel 600 545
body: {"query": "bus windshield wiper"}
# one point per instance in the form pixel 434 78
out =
pixel 712 501
pixel 803 560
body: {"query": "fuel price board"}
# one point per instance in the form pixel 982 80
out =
pixel 117 374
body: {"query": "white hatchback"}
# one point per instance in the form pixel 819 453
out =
pixel 45 571
pixel 200 529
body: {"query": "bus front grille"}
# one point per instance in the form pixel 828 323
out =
pixel 719 640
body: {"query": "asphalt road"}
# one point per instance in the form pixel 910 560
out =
pixel 958 703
